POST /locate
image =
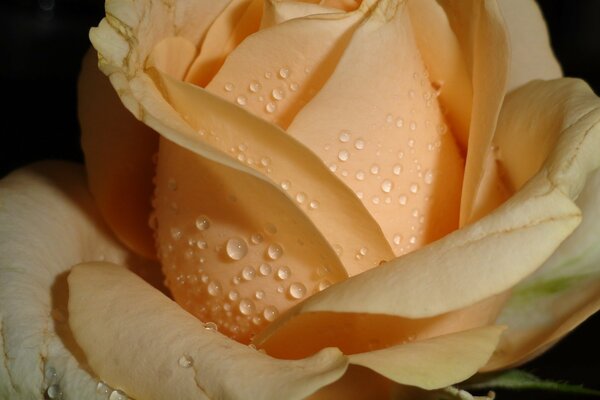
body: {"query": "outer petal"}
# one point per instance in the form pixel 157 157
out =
pixel 279 11
pixel 190 361
pixel 548 120
pixel 531 53
pixel 48 223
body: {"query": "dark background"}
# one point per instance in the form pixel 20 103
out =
pixel 43 41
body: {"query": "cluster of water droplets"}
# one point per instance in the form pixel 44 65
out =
pixel 235 282
pixel 54 392
pixel 381 182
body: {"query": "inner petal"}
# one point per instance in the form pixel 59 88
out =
pixel 378 125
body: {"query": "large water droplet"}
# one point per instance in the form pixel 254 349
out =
pixel 214 288
pixel 344 136
pixel 274 251
pixel 387 185
pixel 102 388
pixel 343 155
pixel 297 290
pixel 278 94
pixel 54 392
pixel 246 306
pixel 185 361
pixel 283 272
pixel 236 248
pixel 202 223
pixel 270 313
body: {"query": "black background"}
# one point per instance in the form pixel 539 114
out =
pixel 41 46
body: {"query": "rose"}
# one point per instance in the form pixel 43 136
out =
pixel 111 340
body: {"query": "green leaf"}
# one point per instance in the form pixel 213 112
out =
pixel 521 380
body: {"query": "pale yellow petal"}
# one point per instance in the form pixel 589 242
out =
pixel 156 350
pixel 279 11
pixel 48 222
pixel 482 35
pixel 434 363
pixel 118 153
pixel 172 56
pixel 238 20
pixel 273 73
pixel 447 68
pixel 212 122
pixel 556 123
pixel 531 55
pixel 377 124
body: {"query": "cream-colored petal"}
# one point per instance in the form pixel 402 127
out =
pixel 48 222
pixel 482 35
pixel 156 350
pixel 531 55
pixel 434 363
pixel 118 153
pixel 377 124
pixel 238 20
pixel 172 56
pixel 557 122
pixel 326 201
pixel 273 73
pixel 279 11
pixel 447 68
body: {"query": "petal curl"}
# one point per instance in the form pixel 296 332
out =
pixel 555 126
pixel 190 361
pixel 48 222
pixel 279 11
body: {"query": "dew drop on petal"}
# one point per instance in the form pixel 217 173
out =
pixel 344 136
pixel 264 269
pixel 202 223
pixel 233 295
pixel 397 239
pixel 185 361
pixel 274 251
pixel 259 294
pixel 285 185
pixel 413 125
pixel 256 238
pixel 397 169
pixel 387 185
pixel 248 273
pixel 283 273
pixel 278 94
pixel 236 248
pixel 228 87
pixel 359 144
pixel 313 205
pixel 214 288
pixel 241 100
pixel 399 123
pixel 402 199
pixel 300 197
pixel 102 388
pixel 284 72
pixel 246 306
pixel 428 177
pixel 294 86
pixel 343 155
pixel 324 285
pixel 297 290
pixel 270 107
pixel 254 86
pixel 360 175
pixel 270 313
pixel 210 326
pixel 414 188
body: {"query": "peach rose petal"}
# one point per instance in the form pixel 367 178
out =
pixel 480 30
pixel 563 126
pixel 156 350
pixel 383 133
pixel 118 153
pixel 279 11
pixel 443 57
pixel 292 168
pixel 238 20
pixel 531 53
pixel 273 74
pixel 48 222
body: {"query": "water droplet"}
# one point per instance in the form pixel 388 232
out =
pixel 50 374
pixel 201 244
pixel 265 161
pixel 117 395
pixel 359 144
pixel 360 175
pixel 397 170
pixel 415 213
pixel 363 251
pixel 233 295
pixel 236 248
pixel 400 155
pixel 414 188
pixel 339 250
pixel 411 94
pixel 103 388
pixel 285 185
pixel 374 169
pixel 270 107
pixel 389 118
pixel 412 240
pixel 387 185
pixel 397 239
pixel 411 143
pixel 202 223
pixel 268 75
pixel 254 86
pixel 300 197
pixel 344 136
pixel 210 326
pixel 294 86
pixel 264 269
pixel 185 361
pixel 278 94
pixel 256 238
pixel 360 195
pixel 283 273
pixel 274 251
pixel 259 294
pixel 375 199
pixel 284 72
pixel 54 392
pixel 313 205
pixel 176 233
pixel 399 123
pixel 343 155
pixel 248 273
pixel 241 100
pixel 428 177
pixel 228 87
pixel 413 125
pixel 280 289
pixel 214 288
pixel 297 290
pixel 270 313
pixel 246 306
pixel 324 285
pixel 332 167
